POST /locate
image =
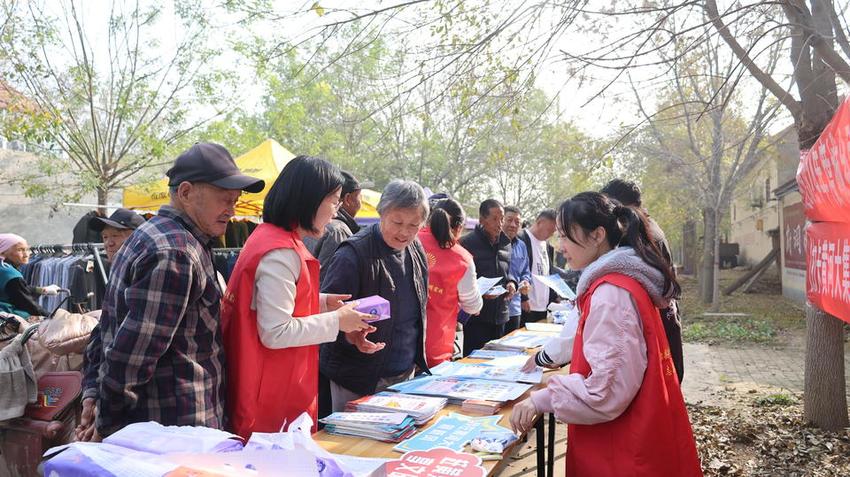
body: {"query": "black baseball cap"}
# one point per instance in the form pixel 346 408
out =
pixel 213 164
pixel 120 219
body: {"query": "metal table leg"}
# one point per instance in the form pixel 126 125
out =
pixel 541 449
pixel 550 464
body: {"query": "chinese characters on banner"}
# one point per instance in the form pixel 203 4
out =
pixel 824 181
pixel 824 173
pixel 438 462
pixel 794 225
pixel 828 274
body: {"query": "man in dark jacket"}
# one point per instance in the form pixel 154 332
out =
pixel 385 259
pixel 628 193
pixel 342 226
pixel 491 252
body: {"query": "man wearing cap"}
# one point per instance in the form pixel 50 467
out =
pixel 343 225
pixel 114 231
pixel 162 353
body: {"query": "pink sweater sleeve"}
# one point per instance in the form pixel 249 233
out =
pixel 616 352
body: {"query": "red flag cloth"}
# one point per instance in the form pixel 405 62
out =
pixel 828 267
pixel 824 172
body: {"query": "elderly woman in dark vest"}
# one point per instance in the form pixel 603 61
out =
pixel 384 259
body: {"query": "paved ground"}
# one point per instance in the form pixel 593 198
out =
pixel 710 371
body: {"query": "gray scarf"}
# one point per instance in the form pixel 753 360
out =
pixel 626 261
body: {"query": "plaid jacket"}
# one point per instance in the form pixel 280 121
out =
pixel 162 357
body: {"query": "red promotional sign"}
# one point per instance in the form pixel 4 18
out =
pixel 438 462
pixel 824 173
pixel 828 273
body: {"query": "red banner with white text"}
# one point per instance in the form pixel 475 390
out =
pixel 828 267
pixel 824 172
pixel 824 181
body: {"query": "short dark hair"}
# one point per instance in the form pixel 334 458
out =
pixel 548 214
pixel 512 209
pixel 298 192
pixel 484 208
pixel 625 192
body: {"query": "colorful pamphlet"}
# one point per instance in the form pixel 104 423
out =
pixel 387 427
pixel 459 389
pixel 487 371
pixel 421 408
pixel 449 431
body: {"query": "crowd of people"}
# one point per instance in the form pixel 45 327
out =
pixel 177 345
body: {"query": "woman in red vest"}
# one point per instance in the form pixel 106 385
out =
pixel 451 279
pixel 621 400
pixel 273 317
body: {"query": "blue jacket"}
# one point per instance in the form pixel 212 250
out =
pixel 520 270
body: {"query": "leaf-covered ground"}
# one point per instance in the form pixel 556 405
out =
pixel 766 436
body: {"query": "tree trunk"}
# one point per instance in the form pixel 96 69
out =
pixel 102 199
pixel 709 234
pixel 715 272
pixel 825 401
pixel 689 248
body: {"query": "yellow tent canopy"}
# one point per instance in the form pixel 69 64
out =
pixel 369 208
pixel 264 162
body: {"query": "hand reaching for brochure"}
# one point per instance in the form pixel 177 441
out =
pixel 524 287
pixel 358 339
pixel 530 365
pixel 523 416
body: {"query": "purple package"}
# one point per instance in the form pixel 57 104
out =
pixel 374 305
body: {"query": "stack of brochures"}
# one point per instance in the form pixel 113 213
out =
pixel 518 341
pixel 492 369
pixel 481 407
pixel 492 353
pixel 381 426
pixel 420 408
pixel 459 389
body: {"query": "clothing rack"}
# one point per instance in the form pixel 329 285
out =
pixel 93 248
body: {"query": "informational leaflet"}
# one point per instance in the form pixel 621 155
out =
pixel 449 432
pixel 487 371
pixel 452 431
pixel 519 341
pixel 458 389
pixel 544 327
pixel 492 354
pixel 485 284
pixel 558 284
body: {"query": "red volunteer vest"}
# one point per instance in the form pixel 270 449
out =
pixel 266 387
pixel 653 437
pixel 445 269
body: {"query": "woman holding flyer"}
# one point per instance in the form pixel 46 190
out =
pixel 451 279
pixel 622 399
pixel 273 316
